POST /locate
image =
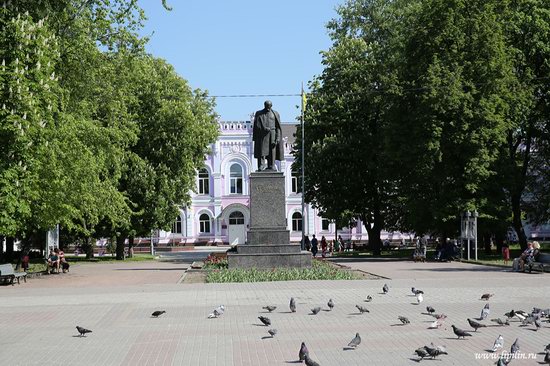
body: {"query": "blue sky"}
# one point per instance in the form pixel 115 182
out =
pixel 243 47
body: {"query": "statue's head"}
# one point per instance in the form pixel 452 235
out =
pixel 268 105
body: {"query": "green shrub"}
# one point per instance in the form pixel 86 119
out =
pixel 318 271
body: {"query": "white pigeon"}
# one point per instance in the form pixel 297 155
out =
pixel 419 298
pixel 484 312
pixel 217 312
pixel 499 343
pixel 436 324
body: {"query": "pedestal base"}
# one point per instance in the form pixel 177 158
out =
pixel 269 260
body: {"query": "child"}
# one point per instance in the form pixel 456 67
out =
pixel 505 253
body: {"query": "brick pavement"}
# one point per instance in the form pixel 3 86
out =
pixel 38 319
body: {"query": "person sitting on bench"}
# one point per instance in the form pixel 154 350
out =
pixel 62 260
pixel 53 261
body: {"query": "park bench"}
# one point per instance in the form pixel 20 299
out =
pixel 540 261
pixel 8 275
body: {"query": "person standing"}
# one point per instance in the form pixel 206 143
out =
pixel 505 252
pixel 314 246
pixel 324 246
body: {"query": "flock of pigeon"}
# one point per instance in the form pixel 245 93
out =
pixel 534 318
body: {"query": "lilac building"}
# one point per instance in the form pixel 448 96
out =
pixel 219 211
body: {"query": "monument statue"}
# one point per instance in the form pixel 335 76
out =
pixel 266 135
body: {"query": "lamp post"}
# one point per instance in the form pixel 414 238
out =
pixel 469 231
pixel 467 219
pixel 474 229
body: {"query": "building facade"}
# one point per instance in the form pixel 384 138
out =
pixel 219 211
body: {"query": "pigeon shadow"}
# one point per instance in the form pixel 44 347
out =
pixel 414 303
pixel 397 325
pixel 293 361
pixel 79 336
pixel 260 325
pixel 267 337
pixel 286 312
pixel 415 359
pixel 326 310
pixel 531 329
pixel 382 293
pixel 348 349
pixel 489 350
pixel 356 314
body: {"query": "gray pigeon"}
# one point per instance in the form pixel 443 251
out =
pixel 292 305
pixel 368 298
pixel 547 348
pixel 303 352
pixel 269 308
pixel 486 297
pixel 83 331
pixel 430 310
pixel 362 309
pixel 316 310
pixel 435 351
pixel 547 357
pixel 265 320
pixel 484 312
pixel 355 341
pixel 500 321
pixel 330 304
pixel 272 332
pixel 538 324
pixel 515 346
pixel 499 343
pixel 310 362
pixel 158 313
pixel 504 359
pixel 421 352
pixel 385 288
pixel 403 320
pixel 475 324
pixel 460 333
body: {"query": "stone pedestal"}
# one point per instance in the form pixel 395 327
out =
pixel 268 240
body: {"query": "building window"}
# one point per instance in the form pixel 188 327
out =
pixel 236 218
pixel 204 223
pixel 236 179
pixel 176 228
pixel 325 224
pixel 296 182
pixel 296 221
pixel 204 181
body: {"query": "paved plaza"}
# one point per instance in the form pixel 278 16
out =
pixel 115 300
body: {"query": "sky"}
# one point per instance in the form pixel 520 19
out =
pixel 236 47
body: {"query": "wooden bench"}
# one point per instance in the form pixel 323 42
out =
pixel 8 275
pixel 540 261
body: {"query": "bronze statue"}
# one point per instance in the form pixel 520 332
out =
pixel 266 135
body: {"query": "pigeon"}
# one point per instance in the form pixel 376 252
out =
pixel 368 298
pixel 355 341
pixel 484 312
pixel 272 332
pixel 158 313
pixel 499 343
pixel 419 298
pixel 500 321
pixel 521 315
pixel 416 291
pixel 83 331
pixel 385 288
pixel 316 310
pixel 542 311
pixel 547 357
pixel 217 312
pixel 538 323
pixel 413 290
pixel 475 324
pixel 486 297
pixel 430 310
pixel 510 314
pixel 421 352
pixel 292 305
pixel 269 308
pixel 310 362
pixel 436 324
pixel 547 348
pixel 435 351
pixel 404 320
pixel 362 309
pixel 330 304
pixel 504 359
pixel 303 352
pixel 265 320
pixel 515 346
pixel 460 333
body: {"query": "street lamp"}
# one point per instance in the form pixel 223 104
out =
pixel 469 230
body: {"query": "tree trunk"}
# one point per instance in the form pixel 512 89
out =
pixel 89 247
pixel 130 247
pixel 499 240
pixel 516 221
pixel 120 247
pixel 10 241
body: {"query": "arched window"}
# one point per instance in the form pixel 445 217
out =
pixel 204 181
pixel 325 224
pixel 204 223
pixel 236 179
pixel 296 221
pixel 177 227
pixel 296 182
pixel 236 218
